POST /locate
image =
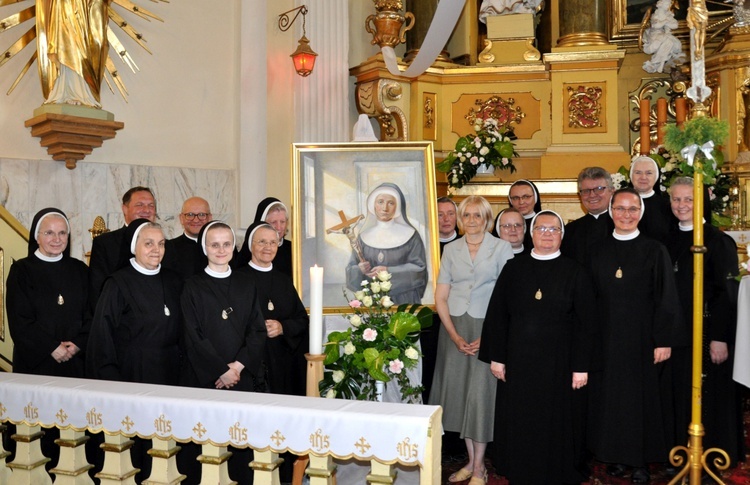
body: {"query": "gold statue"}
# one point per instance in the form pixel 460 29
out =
pixel 72 50
pixel 697 20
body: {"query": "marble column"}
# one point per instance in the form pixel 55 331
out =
pixel 322 98
pixel 582 23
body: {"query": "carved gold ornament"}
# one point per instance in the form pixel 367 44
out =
pixel 498 109
pixel 584 107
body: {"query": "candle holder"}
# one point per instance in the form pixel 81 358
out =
pixel 314 373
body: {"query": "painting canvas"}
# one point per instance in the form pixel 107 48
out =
pixel 335 221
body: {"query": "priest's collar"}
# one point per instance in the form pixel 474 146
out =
pixel 596 216
pixel 626 237
pixel 194 239
pixel 518 250
pixel 142 270
pixel 545 257
pixel 647 194
pixel 261 268
pixel 449 238
pixel 216 274
pixel 48 259
pixel 530 215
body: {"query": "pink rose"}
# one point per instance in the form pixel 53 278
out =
pixel 395 366
pixel 474 160
pixel 370 334
pixel 355 303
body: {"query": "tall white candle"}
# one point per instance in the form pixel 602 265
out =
pixel 316 310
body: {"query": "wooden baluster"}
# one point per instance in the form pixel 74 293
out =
pixel 213 461
pixel 28 464
pixel 321 471
pixel 381 473
pixel 431 471
pixel 164 463
pixel 117 469
pixel 72 468
pixel 266 466
pixel 4 470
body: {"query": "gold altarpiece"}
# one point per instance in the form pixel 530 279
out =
pixel 578 102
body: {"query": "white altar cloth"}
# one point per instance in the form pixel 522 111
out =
pixel 389 432
pixel 742 339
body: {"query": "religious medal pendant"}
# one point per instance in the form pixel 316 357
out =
pixel 270 306
pixel 381 257
pixel 166 310
pixel 225 313
pixel 676 267
pixel 618 273
pixel 60 300
pixel 538 294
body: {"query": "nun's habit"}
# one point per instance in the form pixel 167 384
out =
pixel 222 324
pixel 283 260
pixel 527 242
pixel 541 325
pixel 46 298
pixel 657 221
pixel 136 329
pixel 284 355
pixel 496 231
pixel 394 244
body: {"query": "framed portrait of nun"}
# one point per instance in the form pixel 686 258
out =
pixel 360 209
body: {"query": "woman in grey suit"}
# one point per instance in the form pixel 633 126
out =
pixel 463 385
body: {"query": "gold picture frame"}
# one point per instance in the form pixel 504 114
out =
pixel 626 17
pixel 333 180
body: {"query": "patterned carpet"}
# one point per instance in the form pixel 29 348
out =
pixel 737 475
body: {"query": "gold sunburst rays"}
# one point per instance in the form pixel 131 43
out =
pixel 116 45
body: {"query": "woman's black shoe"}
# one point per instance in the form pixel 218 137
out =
pixel 616 470
pixel 640 475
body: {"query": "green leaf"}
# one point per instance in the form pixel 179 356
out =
pixel 370 355
pixel 402 324
pixel 504 148
pixel 332 353
pixel 445 166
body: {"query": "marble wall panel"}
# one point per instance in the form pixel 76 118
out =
pixel 92 189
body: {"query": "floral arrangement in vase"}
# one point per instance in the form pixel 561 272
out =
pixel 380 344
pixel 486 147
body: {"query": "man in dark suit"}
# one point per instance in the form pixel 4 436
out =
pixel 183 253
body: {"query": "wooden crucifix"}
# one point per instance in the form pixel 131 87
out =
pixel 346 227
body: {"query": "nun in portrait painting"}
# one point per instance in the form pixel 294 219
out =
pixel 389 242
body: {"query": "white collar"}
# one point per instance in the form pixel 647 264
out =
pixel 626 237
pixel 449 238
pixel 545 257
pixel 216 274
pixel 688 227
pixel 517 251
pixel 530 215
pixel 142 270
pixel 261 268
pixel 194 239
pixel 647 194
pixel 48 259
pixel 596 216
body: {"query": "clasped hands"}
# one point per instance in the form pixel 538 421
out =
pixel 64 352
pixel 366 268
pixel 467 348
pixel 231 377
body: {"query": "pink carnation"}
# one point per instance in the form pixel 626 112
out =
pixel 355 303
pixel 370 334
pixel 474 160
pixel 395 366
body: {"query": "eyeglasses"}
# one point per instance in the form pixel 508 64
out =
pixel 552 230
pixel 265 244
pixel 200 215
pixel 622 210
pixel 61 234
pixel 596 191
pixel 519 198
pixel 508 227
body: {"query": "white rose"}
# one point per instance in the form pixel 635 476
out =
pixel 386 302
pixel 349 348
pixel 364 283
pixel 484 151
pixel 384 276
pixel 331 394
pixel 375 287
pixel 367 301
pixel 355 320
pixel 455 179
pixel 386 286
pixel 411 353
pixel 359 295
pixel 338 376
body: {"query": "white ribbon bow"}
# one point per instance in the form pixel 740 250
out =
pixel 688 153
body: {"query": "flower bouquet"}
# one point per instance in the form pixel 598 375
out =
pixel 380 344
pixel 487 146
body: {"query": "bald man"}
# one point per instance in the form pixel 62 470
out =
pixel 183 253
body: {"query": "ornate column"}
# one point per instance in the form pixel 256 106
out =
pixel 72 468
pixel 213 461
pixel 582 23
pixel 28 463
pixel 164 462
pixel 424 11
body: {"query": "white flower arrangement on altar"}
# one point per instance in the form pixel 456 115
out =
pixel 378 346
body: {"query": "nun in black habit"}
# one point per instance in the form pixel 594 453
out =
pixel 524 197
pixel 538 338
pixel 46 300
pixel 272 211
pixel 286 320
pixel 657 220
pixel 135 333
